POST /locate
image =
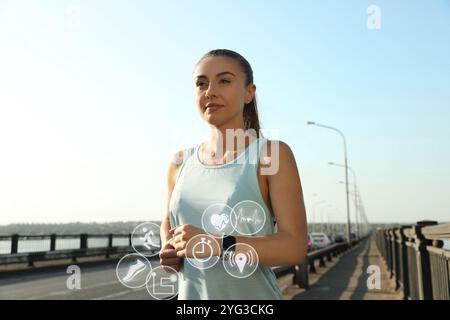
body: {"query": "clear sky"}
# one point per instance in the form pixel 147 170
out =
pixel 95 96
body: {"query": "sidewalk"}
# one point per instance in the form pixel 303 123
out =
pixel 345 278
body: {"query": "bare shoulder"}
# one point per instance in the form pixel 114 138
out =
pixel 277 159
pixel 177 158
pixel 277 149
pixel 174 165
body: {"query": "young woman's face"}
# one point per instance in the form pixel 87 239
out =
pixel 220 81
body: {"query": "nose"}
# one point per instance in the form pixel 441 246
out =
pixel 211 91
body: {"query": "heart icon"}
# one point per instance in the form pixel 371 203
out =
pixel 219 221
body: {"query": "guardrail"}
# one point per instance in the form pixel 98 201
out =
pixel 416 259
pixel 51 247
pixel 301 271
pixel 48 250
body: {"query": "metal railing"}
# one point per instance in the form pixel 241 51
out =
pixel 416 259
pixel 29 249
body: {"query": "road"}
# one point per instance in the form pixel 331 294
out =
pixel 98 282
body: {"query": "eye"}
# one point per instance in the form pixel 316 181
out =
pixel 224 81
pixel 199 84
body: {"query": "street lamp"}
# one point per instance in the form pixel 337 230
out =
pixel 356 190
pixel 357 200
pixel 346 173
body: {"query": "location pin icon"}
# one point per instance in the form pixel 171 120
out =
pixel 241 260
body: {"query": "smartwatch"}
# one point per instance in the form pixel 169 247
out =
pixel 228 242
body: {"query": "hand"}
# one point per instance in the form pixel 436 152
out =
pixel 186 232
pixel 168 257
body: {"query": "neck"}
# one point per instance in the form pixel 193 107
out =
pixel 228 138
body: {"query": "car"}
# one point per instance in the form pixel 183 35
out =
pixel 331 237
pixel 339 238
pixel 320 240
pixel 311 245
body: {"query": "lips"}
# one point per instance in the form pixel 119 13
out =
pixel 209 105
pixel 213 106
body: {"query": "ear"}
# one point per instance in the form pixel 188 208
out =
pixel 250 93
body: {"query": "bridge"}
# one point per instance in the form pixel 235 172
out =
pixel 408 262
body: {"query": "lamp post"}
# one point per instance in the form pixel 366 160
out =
pixel 355 186
pixel 346 174
pixel 356 193
pixel 357 214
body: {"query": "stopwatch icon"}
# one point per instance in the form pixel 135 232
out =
pixel 203 247
pixel 202 251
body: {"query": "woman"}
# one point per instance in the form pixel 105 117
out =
pixel 210 175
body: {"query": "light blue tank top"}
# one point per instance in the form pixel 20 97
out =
pixel 197 187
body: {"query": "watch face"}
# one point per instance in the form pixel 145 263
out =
pixel 229 241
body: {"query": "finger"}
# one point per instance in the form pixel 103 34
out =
pixel 178 229
pixel 168 253
pixel 178 239
pixel 172 230
pixel 181 253
pixel 170 261
pixel 168 245
pixel 173 255
pixel 180 245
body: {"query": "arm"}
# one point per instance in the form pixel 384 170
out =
pixel 168 255
pixel 172 172
pixel 288 246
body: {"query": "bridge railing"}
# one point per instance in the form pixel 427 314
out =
pixel 416 258
pixel 31 248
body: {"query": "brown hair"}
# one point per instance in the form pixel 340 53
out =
pixel 250 114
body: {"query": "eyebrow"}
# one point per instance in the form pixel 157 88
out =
pixel 217 75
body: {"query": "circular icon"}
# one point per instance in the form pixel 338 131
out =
pixel 145 239
pixel 249 217
pixel 162 283
pixel 200 250
pixel 132 270
pixel 216 219
pixel 240 264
